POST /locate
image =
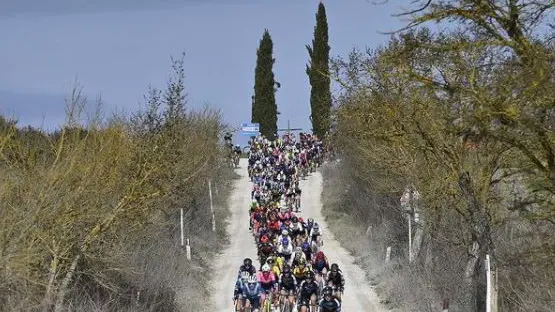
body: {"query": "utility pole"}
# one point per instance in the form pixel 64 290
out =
pixel 289 129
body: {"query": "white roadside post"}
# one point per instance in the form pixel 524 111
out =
pixel 181 225
pixel 410 238
pixel 407 207
pixel 211 206
pixel 188 250
pixel 388 254
pixel 488 284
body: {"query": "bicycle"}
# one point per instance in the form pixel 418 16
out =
pixel 297 202
pixel 287 301
pixel 268 301
pixel 238 304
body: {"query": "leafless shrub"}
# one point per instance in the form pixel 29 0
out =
pixel 89 214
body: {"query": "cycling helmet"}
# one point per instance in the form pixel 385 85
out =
pixel 284 232
pixel 264 239
pixel 316 225
pixel 310 275
pixel 270 261
pixel 298 249
pixel 302 261
pixel 286 268
pixel 310 220
pixel 294 220
pixel 334 267
pixel 266 268
pixel 247 262
pixel 327 291
pixel 252 280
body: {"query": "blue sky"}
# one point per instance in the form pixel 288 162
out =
pixel 116 48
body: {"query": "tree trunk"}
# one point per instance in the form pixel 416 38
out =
pixel 418 235
pixel 481 244
pixel 65 283
pixel 52 272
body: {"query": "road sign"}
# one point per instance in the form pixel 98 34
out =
pixel 250 129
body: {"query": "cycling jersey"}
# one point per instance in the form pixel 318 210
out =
pixel 337 279
pixel 331 305
pixel 253 295
pixel 251 269
pixel 266 281
pixel 320 262
pixel 287 282
pixel 300 273
pixel 285 249
pixel 296 229
pixel 297 256
pixel 274 225
pixel 266 248
pixel 308 289
pixel 276 270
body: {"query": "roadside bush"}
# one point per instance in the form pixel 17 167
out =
pixel 89 214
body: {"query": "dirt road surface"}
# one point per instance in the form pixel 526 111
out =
pixel 358 295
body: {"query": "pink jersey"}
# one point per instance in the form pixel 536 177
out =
pixel 266 280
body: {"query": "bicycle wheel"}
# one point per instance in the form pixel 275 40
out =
pixel 267 305
pixel 288 307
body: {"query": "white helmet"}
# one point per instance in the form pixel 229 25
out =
pixel 266 268
pixel 252 279
pixel 285 233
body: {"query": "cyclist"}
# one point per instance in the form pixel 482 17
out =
pixel 247 267
pixel 320 262
pixel 335 279
pixel 309 224
pixel 316 237
pixel 298 192
pixel 301 271
pixel 285 249
pixel 308 290
pixel 284 234
pixel 305 247
pixel 239 285
pixel 265 249
pixel 274 265
pixel 328 303
pixel 296 228
pixel 287 285
pixel 252 294
pixel 267 280
pixel 236 154
pixel 298 254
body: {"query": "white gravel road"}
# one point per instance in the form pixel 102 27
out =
pixel 358 295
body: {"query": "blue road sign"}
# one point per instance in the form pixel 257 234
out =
pixel 250 129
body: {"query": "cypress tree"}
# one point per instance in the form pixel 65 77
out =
pixel 318 74
pixel 264 108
